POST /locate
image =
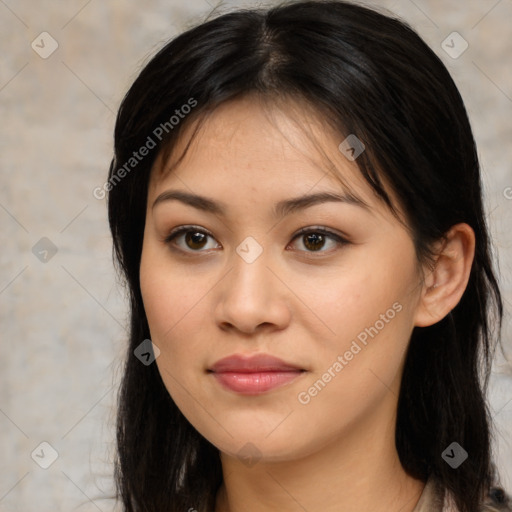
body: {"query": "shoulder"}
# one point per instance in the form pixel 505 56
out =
pixel 497 500
pixel 434 499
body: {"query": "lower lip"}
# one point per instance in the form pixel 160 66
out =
pixel 255 383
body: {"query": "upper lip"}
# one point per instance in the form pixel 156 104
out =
pixel 250 364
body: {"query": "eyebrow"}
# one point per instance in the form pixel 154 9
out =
pixel 280 210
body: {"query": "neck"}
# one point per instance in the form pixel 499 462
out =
pixel 360 471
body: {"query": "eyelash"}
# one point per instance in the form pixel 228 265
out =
pixel 175 233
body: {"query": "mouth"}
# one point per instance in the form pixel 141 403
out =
pixel 254 375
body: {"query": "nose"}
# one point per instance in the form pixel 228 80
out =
pixel 252 297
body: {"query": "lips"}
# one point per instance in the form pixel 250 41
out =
pixel 253 375
pixel 250 364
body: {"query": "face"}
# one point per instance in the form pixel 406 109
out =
pixel 329 287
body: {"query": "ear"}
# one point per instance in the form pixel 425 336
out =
pixel 444 284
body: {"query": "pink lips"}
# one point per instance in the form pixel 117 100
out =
pixel 254 375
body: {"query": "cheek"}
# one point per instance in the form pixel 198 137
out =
pixel 371 311
pixel 174 308
pixel 167 292
pixel 363 298
pixel 174 316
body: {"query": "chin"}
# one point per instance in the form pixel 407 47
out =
pixel 252 449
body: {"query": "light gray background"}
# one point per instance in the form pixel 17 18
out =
pixel 62 320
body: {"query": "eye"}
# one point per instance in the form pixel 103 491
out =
pixel 195 239
pixel 314 239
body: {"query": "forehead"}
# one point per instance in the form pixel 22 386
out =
pixel 249 143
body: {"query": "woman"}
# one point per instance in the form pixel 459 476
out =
pixel 295 204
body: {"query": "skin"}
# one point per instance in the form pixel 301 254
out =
pixel 205 302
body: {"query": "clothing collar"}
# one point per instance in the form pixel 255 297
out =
pixel 433 499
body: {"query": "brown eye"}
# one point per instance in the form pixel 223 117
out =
pixel 189 239
pixel 315 240
pixel 195 239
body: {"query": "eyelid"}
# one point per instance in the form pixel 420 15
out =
pixel 183 229
pixel 340 239
pixel 324 230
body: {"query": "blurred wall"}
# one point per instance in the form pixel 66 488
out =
pixel 64 68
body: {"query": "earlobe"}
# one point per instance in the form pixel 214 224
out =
pixel 445 284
